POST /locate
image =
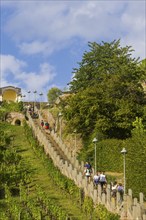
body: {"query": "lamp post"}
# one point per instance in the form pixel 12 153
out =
pixel 41 94
pixel 95 141
pixel 60 116
pixel 123 151
pixel 29 96
pixel 35 97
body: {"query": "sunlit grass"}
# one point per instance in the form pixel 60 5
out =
pixel 40 174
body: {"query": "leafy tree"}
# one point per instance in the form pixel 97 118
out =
pixel 11 106
pixel 108 94
pixel 143 65
pixel 136 158
pixel 53 94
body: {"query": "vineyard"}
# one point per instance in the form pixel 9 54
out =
pixel 31 188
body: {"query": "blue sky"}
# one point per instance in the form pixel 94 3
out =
pixel 42 41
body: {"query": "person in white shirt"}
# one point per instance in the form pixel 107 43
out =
pixel 96 179
pixel 120 189
pixel 102 180
pixel 114 189
pixel 87 173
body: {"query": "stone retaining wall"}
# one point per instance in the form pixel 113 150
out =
pixel 13 117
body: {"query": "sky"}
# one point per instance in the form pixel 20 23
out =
pixel 41 42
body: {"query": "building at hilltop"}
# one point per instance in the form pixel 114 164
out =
pixel 10 94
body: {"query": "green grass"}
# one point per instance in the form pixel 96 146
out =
pixel 40 174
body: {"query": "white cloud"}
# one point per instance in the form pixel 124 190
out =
pixel 12 70
pixel 36 47
pixel 38 80
pixel 134 23
pixel 9 64
pixel 43 27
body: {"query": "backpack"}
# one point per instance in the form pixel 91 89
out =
pixel 120 189
pixel 42 123
pixel 88 172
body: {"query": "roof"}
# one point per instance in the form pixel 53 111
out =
pixel 2 89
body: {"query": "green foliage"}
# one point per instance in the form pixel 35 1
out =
pixel 88 207
pixel 108 95
pixel 136 159
pixel 109 157
pixel 107 98
pixel 104 214
pixel 10 107
pixel 138 127
pixel 59 179
pixel 12 170
pixel 107 152
pixel 54 111
pixel 4 138
pixel 65 184
pixel 50 206
pixel 142 65
pixel 81 112
pixel 53 94
pixel 37 208
pixel 2 113
pixel 34 203
pixel 99 212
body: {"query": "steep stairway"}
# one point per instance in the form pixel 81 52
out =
pixel 51 140
pixel 56 146
pixel 70 167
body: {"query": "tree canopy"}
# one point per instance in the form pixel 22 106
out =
pixel 53 94
pixel 108 94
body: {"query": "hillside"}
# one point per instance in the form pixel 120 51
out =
pixel 40 174
pixel 43 187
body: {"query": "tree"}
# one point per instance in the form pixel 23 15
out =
pixel 143 65
pixel 108 91
pixel 53 94
pixel 136 162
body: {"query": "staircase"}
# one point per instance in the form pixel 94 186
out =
pixel 69 166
